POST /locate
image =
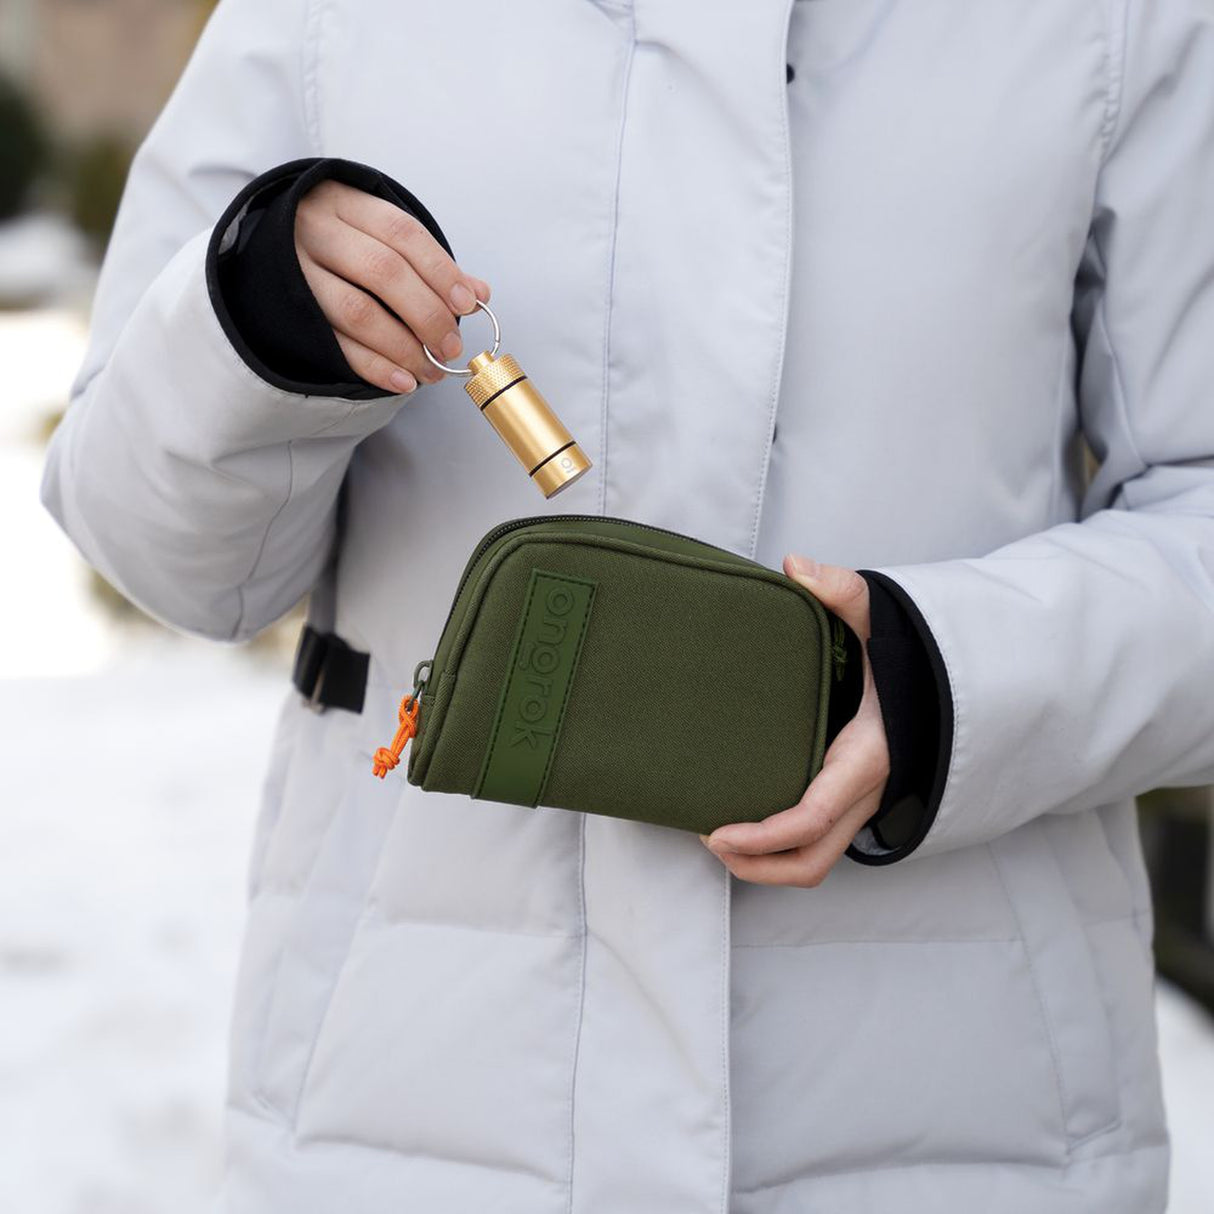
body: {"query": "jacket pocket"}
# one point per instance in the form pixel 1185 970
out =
pixel 335 824
pixel 1067 985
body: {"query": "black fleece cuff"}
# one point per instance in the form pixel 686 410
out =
pixel 917 710
pixel 259 291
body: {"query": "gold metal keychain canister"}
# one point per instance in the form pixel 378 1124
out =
pixel 524 420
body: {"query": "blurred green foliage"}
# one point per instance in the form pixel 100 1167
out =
pixel 83 178
pixel 92 175
pixel 1177 829
pixel 24 149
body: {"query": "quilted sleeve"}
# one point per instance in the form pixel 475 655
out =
pixel 1080 659
pixel 205 493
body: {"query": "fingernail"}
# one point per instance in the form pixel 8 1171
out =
pixel 804 566
pixel 451 345
pixel 402 381
pixel 462 298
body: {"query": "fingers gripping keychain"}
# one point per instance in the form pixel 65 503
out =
pixel 523 419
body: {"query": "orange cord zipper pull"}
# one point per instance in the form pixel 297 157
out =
pixel 387 757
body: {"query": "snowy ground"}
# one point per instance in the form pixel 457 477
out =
pixel 129 801
pixel 131 762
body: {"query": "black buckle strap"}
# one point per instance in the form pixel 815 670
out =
pixel 328 673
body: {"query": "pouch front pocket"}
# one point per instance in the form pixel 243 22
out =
pixel 681 692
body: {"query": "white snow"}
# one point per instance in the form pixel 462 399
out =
pixel 1186 1045
pixel 43 257
pixel 132 761
pixel 130 794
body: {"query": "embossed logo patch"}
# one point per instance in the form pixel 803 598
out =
pixel 542 664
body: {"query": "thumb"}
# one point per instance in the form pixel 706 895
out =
pixel 841 590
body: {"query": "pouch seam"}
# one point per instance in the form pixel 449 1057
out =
pixel 511 543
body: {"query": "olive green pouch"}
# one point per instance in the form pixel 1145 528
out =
pixel 607 666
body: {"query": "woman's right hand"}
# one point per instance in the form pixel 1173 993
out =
pixel 350 243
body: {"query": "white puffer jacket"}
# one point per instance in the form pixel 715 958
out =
pixel 961 236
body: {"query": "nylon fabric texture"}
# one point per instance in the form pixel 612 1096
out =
pixel 701 692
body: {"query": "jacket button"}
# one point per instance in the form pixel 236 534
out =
pixel 789 72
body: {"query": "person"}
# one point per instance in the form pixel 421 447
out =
pixel 845 288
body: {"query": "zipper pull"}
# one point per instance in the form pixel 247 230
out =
pixel 388 757
pixel 838 649
pixel 420 680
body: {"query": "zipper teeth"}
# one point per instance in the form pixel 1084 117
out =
pixel 515 524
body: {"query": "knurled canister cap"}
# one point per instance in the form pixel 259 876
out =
pixel 491 376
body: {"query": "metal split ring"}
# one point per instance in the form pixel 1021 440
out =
pixel 497 341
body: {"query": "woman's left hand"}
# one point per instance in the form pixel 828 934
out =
pixel 799 846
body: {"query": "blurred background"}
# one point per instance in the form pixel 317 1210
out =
pixel 132 757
